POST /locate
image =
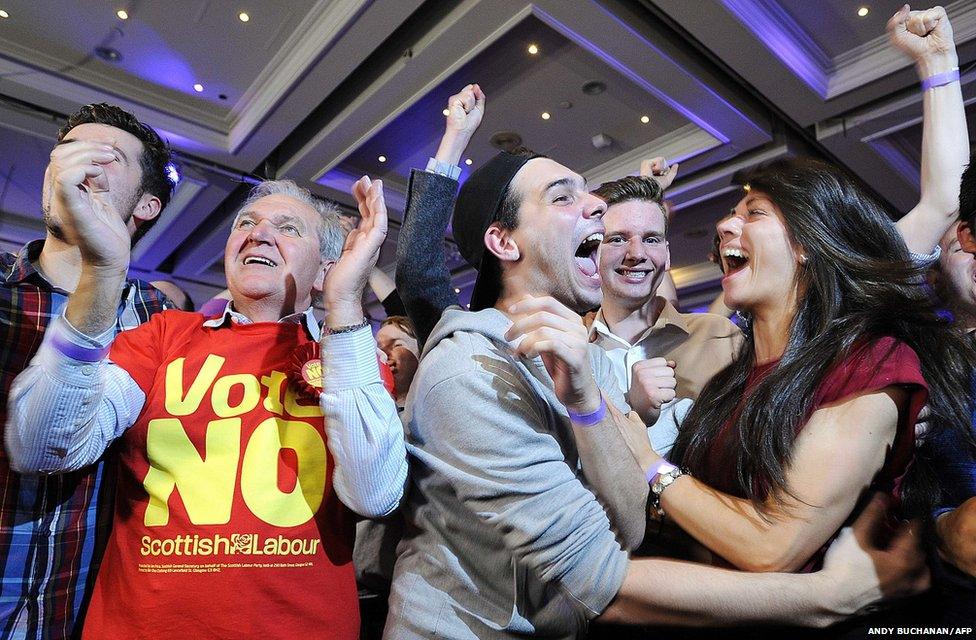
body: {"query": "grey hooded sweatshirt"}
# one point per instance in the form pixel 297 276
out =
pixel 502 538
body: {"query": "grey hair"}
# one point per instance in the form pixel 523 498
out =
pixel 330 232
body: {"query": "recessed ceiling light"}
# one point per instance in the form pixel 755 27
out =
pixel 863 11
pixel 447 112
pixel 122 14
pixel 4 14
pixel 243 17
pixel 198 88
pixel 108 54
pixel 468 162
pixel 545 115
pixel 533 49
pixel 382 158
pixel 645 119
pixel 456 290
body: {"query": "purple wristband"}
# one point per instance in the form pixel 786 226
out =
pixel 659 466
pixel 77 352
pixel 940 79
pixel 589 419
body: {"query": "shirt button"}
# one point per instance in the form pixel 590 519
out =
pixel 87 369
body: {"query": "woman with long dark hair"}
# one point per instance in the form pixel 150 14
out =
pixel 844 348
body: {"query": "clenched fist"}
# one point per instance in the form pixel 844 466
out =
pixel 652 385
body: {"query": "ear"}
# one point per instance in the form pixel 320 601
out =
pixel 502 243
pixel 147 208
pixel 967 239
pixel 325 266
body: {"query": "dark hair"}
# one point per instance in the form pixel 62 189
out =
pixel 155 152
pixel 967 196
pixel 858 284
pixel 633 188
pixel 401 322
pixel 511 200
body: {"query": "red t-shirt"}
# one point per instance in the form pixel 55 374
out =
pixel 883 363
pixel 226 523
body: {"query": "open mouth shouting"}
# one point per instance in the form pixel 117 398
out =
pixel 586 256
pixel 733 260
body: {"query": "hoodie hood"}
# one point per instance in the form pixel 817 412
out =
pixel 490 323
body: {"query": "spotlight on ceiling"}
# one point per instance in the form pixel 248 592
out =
pixel 4 14
pixel 594 88
pixel 243 16
pixel 447 112
pixel 108 54
pixel 122 14
pixel 863 11
pixel 198 88
pixel 533 49
pixel 506 140
pixel 468 162
pixel 545 115
pixel 645 119
pixel 382 158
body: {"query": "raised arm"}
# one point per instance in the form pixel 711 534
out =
pixel 365 434
pixel 422 278
pixel 65 409
pixel 926 37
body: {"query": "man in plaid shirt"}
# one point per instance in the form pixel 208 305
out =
pixel 53 528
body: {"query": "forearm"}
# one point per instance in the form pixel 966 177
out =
pixel 364 432
pixel 422 278
pixel 945 154
pixel 657 591
pixel 614 475
pixel 93 306
pixel 734 529
pixel 65 411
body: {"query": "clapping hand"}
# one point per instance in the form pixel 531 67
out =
pixel 346 281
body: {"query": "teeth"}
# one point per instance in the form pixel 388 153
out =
pixel 594 237
pixel 259 260
pixel 735 253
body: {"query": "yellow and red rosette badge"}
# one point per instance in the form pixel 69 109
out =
pixel 305 371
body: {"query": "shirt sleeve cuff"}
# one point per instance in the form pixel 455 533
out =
pixel 349 360
pixel 446 169
pixel 926 260
pixel 77 346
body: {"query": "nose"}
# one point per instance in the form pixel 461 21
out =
pixel 593 207
pixel 634 250
pixel 729 227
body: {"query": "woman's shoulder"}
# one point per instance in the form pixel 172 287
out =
pixel 872 365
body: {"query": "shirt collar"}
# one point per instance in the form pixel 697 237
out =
pixel 305 318
pixel 23 267
pixel 669 316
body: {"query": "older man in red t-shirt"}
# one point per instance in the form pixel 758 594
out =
pixel 232 517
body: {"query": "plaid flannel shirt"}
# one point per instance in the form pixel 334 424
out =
pixel 53 529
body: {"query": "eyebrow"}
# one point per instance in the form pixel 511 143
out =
pixel 562 182
pixel 276 219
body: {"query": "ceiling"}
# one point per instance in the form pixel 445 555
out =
pixel 318 90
